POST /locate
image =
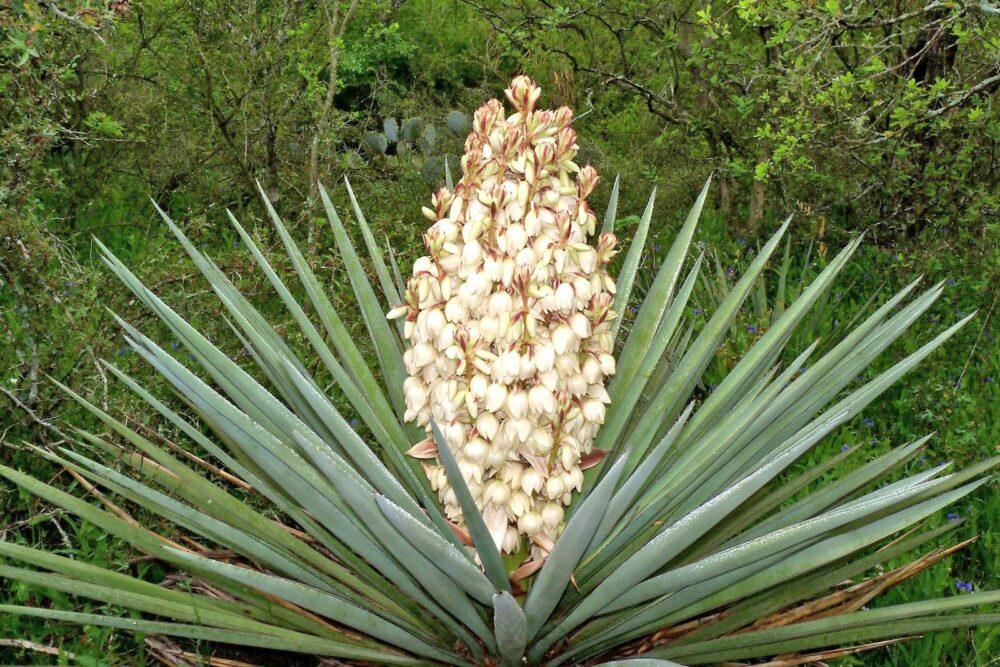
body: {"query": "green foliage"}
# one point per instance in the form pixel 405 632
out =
pixel 105 105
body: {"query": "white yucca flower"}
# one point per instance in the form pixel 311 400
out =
pixel 509 321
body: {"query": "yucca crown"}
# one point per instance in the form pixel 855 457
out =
pixel 689 540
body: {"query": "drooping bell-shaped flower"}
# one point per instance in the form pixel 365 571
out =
pixel 508 319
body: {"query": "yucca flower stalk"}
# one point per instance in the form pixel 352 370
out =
pixel 689 542
pixel 509 319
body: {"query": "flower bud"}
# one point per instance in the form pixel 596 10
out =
pixel 530 523
pixel 552 515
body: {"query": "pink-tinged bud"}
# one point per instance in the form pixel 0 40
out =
pixel 566 143
pixel 587 181
pixel 545 154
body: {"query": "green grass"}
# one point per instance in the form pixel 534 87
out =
pixel 54 318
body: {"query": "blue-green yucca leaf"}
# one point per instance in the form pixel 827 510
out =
pixel 555 574
pixel 443 590
pixel 625 399
pixel 359 386
pixel 624 499
pixel 511 630
pixel 766 349
pixel 303 643
pixel 815 638
pixel 675 538
pixel 372 407
pixel 392 296
pixel 453 561
pixel 869 624
pixel 228 509
pixel 673 608
pixel 626 277
pixel 713 593
pixel 611 212
pixel 351 356
pixel 240 384
pixel 192 610
pixel 386 344
pixel 769 601
pixel 655 302
pixel 713 465
pixel 640 662
pixel 212 500
pixel 812 504
pixel 666 403
pixel 296 479
pixel 766 443
pixel 779 539
pixel 835 492
pixel 481 538
pixel 633 357
pixel 281 617
pixel 238 468
pixel 193 519
pixel 319 602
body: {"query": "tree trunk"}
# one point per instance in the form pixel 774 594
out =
pixel 758 197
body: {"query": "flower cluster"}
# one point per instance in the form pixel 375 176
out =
pixel 508 318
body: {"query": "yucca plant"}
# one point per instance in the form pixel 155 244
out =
pixel 682 541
